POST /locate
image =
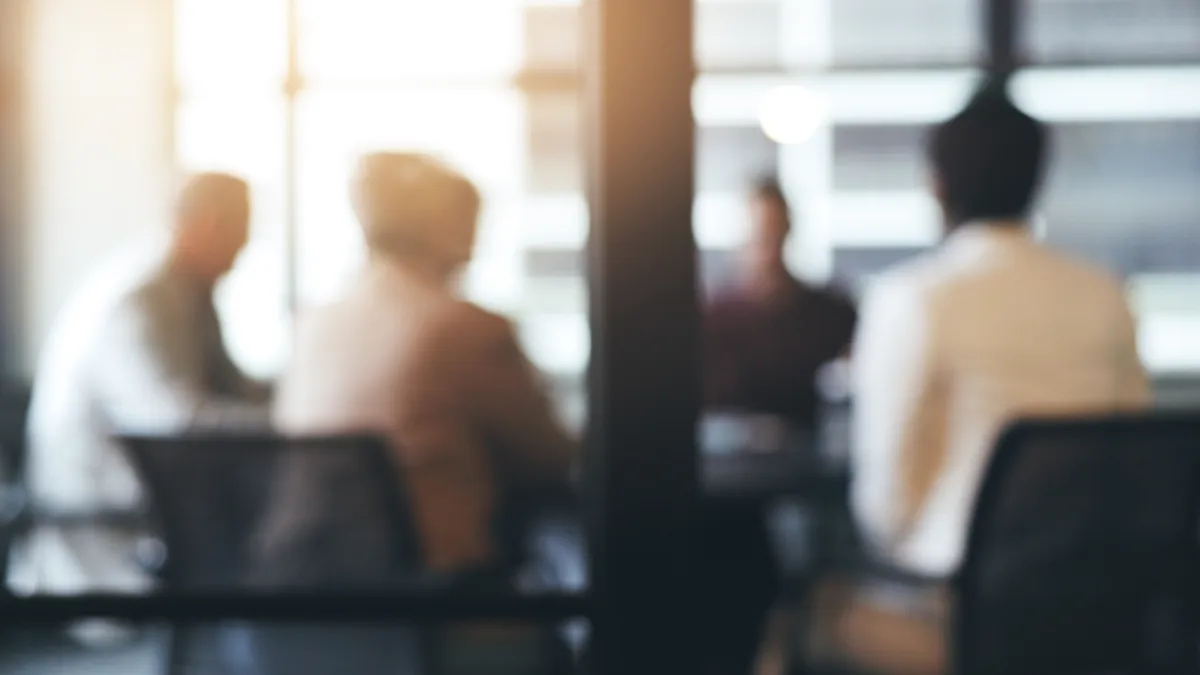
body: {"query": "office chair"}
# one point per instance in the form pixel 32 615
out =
pixel 1082 554
pixel 275 514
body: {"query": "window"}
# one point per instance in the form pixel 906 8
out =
pixel 368 76
pixel 1112 31
pixel 1118 79
pixel 369 79
pixel 1121 190
pixel 854 181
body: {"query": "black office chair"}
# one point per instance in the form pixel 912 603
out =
pixel 1082 556
pixel 277 514
pixel 14 410
pixel 212 499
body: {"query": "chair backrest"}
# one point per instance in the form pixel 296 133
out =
pixel 1083 550
pixel 232 506
pixel 14 411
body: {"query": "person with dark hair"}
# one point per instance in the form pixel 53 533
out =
pixel 989 327
pixel 766 338
pixel 138 350
pixel 767 335
pixel 401 354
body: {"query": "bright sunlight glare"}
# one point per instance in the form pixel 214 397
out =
pixel 791 114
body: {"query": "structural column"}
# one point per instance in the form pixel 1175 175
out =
pixel 644 377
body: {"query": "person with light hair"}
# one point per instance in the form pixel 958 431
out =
pixel 402 355
pixel 138 350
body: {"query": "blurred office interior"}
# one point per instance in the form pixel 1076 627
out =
pixel 121 96
pixel 104 104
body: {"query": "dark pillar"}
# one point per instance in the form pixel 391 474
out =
pixel 1002 17
pixel 644 377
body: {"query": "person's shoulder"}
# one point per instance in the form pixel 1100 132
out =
pixel 915 287
pixel 145 294
pixel 832 294
pixel 921 273
pixel 471 324
pixel 137 303
pixel 1082 274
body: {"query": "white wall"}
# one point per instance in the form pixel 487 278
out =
pixel 99 152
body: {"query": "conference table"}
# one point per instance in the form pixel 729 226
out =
pixel 748 465
pixel 751 466
pixel 760 457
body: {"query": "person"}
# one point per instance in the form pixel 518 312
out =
pixel 767 336
pixel 138 350
pixel 402 355
pixel 989 327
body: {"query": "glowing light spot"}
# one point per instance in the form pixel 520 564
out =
pixel 791 114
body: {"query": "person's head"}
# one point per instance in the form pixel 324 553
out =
pixel 212 224
pixel 770 225
pixel 988 160
pixel 415 210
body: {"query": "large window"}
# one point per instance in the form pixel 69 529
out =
pixel 857 84
pixel 860 80
pixel 833 97
pixel 292 112
pixel 1120 82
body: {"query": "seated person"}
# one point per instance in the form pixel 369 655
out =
pixel 990 327
pixel 402 355
pixel 138 350
pixel 767 337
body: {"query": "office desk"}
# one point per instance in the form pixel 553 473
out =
pixel 736 462
pixel 744 476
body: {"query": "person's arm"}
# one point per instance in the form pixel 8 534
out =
pixel 147 381
pixel 851 320
pixel 1133 384
pixel 900 408
pixel 508 401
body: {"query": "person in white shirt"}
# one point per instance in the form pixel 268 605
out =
pixel 989 327
pixel 138 350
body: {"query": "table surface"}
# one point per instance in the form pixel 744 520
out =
pixel 754 456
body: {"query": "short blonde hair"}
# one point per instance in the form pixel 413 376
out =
pixel 222 192
pixel 412 204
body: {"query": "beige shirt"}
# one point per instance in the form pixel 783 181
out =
pixel 951 347
pixel 446 382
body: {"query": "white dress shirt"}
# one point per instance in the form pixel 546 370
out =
pixel 988 328
pixel 138 350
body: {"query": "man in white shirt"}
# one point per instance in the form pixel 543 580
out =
pixel 138 350
pixel 989 327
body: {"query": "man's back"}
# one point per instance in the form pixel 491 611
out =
pixel 445 382
pixel 956 345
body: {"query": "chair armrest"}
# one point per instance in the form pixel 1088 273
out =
pixel 150 554
pixel 14 509
pixel 881 572
pixel 903 589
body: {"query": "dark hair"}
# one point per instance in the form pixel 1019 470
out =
pixel 767 188
pixel 989 157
